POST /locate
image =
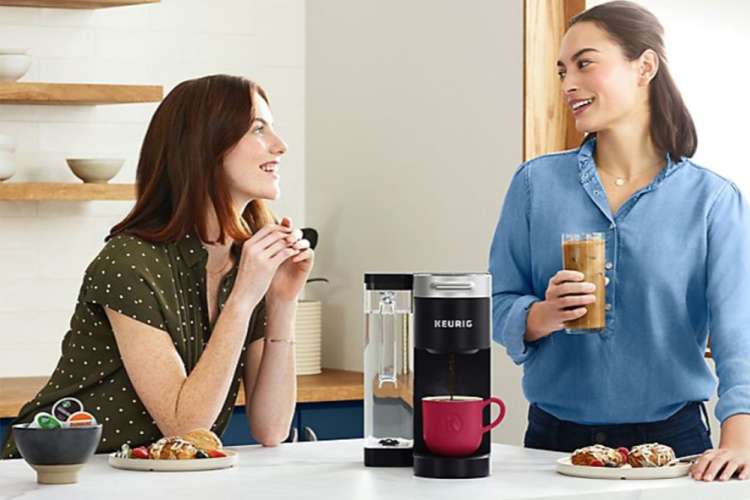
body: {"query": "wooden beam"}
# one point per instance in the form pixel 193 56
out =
pixel 548 125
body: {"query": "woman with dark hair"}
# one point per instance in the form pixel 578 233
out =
pixel 195 290
pixel 677 243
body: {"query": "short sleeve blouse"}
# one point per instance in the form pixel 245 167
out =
pixel 160 284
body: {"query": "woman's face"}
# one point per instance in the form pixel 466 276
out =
pixel 252 165
pixel 598 83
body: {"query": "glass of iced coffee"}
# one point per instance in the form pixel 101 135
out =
pixel 585 253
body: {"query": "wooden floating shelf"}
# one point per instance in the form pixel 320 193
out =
pixel 77 93
pixel 65 191
pixel 74 4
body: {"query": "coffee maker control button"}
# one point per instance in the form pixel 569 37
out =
pixel 608 307
pixel 608 265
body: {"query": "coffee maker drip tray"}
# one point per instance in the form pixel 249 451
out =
pixel 451 467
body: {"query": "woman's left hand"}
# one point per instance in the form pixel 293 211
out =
pixel 292 274
pixel 722 464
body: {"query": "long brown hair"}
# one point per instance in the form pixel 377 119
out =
pixel 636 29
pixel 180 166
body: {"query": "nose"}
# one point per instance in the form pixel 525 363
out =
pixel 278 146
pixel 568 86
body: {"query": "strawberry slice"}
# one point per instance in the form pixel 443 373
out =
pixel 596 463
pixel 140 452
pixel 216 454
pixel 624 452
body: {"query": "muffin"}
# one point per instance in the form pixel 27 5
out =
pixel 203 439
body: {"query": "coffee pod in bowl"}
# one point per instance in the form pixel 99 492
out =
pixel 65 407
pixel 44 420
pixel 57 455
pixel 81 419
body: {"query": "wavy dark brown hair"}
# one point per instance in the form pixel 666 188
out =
pixel 635 30
pixel 180 169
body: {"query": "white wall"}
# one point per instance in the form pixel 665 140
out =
pixel 413 131
pixel 46 246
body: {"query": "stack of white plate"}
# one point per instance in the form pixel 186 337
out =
pixel 308 335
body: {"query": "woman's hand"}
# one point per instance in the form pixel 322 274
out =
pixel 722 464
pixel 262 255
pixel 564 300
pixel 292 274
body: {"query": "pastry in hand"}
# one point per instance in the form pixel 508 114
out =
pixel 203 439
pixel 172 448
pixel 599 456
pixel 650 455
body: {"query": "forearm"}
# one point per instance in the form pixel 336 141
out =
pixel 274 394
pixel 735 432
pixel 204 391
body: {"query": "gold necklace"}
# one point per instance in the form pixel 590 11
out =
pixel 621 181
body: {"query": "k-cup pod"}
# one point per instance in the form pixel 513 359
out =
pixel 44 420
pixel 65 407
pixel 81 419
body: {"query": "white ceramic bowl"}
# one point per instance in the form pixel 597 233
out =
pixel 13 66
pixel 95 170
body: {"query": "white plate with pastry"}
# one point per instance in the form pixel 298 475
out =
pixel 199 449
pixel 564 466
pixel 161 465
pixel 644 461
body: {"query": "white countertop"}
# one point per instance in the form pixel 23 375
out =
pixel 334 469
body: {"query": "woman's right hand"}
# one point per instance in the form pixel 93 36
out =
pixel 262 254
pixel 564 300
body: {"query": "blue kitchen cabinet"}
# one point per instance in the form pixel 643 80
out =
pixel 322 421
pixel 333 420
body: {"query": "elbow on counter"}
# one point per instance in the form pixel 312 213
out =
pixel 270 437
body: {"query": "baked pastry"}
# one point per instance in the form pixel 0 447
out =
pixel 172 448
pixel 203 439
pixel 599 456
pixel 650 455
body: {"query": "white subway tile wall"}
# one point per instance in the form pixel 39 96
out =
pixel 46 246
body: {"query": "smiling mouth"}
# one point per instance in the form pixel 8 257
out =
pixel 270 167
pixel 579 106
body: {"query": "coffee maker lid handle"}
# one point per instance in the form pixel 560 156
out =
pixel 453 286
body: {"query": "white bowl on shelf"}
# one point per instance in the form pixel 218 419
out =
pixel 95 170
pixel 14 63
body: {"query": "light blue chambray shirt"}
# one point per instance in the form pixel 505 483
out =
pixel 678 262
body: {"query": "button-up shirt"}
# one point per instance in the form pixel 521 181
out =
pixel 678 263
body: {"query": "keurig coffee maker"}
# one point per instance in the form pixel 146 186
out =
pixel 452 331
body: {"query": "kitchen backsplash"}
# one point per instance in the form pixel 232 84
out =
pixel 45 246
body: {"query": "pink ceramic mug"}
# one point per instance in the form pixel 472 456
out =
pixel 453 426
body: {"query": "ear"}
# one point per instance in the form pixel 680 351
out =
pixel 648 66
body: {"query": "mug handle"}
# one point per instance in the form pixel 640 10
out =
pixel 499 418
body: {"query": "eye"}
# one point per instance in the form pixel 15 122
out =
pixel 561 74
pixel 583 63
pixel 258 129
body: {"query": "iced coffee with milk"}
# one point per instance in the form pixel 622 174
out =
pixel 585 253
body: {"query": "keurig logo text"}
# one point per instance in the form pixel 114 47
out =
pixel 452 323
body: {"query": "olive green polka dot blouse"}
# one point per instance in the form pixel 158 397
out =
pixel 160 284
